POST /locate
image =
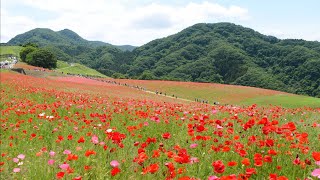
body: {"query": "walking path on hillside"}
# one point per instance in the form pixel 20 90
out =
pixel 131 86
pixel 151 92
pixel 142 89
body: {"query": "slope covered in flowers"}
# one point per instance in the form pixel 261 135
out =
pixel 226 94
pixel 76 128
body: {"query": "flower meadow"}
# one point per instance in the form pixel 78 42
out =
pixel 81 129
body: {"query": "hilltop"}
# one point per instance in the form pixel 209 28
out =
pixel 65 37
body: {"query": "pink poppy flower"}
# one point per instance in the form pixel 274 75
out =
pixel 95 139
pixel 16 160
pixel 194 160
pixel 52 153
pixel 102 143
pixel 64 166
pixel 316 173
pixel 21 156
pixel 16 170
pixel 193 145
pixel 318 163
pixel 213 178
pixel 66 151
pixel 51 162
pixel 114 163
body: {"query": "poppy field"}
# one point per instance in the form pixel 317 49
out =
pixel 77 128
pixel 226 94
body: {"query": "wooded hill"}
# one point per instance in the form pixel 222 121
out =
pixel 221 52
pixel 66 37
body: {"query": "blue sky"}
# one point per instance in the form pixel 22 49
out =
pixel 137 22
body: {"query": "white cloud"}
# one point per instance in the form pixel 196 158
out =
pixel 14 25
pixel 291 33
pixel 118 22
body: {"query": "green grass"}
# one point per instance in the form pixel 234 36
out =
pixel 290 101
pixel 14 50
pixel 9 50
pixel 62 64
pixel 76 68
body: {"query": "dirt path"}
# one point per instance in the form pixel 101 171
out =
pixel 151 92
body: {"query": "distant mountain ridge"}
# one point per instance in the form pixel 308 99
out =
pixel 46 37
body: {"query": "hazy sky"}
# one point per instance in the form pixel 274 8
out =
pixel 137 22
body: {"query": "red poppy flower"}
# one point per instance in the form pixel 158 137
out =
pixel 87 167
pixel 267 159
pixel 166 135
pixel 81 139
pixel 200 128
pixel 156 154
pixel 90 152
pixel 70 170
pixel 60 137
pixel 153 168
pixel 250 171
pixel 296 161
pixel 316 156
pixel 218 166
pixel 232 163
pixel 242 153
pixel 77 178
pixel 115 171
pixel 272 152
pixel 269 143
pixel 273 177
pixel 70 137
pixel 245 161
pixel 60 175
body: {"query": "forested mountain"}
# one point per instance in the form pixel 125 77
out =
pixel 66 37
pixel 69 46
pixel 231 54
pixel 221 52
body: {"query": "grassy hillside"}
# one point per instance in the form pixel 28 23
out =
pixel 14 50
pixel 62 66
pixel 226 94
pixel 75 68
pixel 284 100
pixel 9 50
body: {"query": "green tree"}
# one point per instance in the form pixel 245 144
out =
pixel 147 75
pixel 230 62
pixel 42 58
pixel 30 44
pixel 119 76
pixel 25 51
